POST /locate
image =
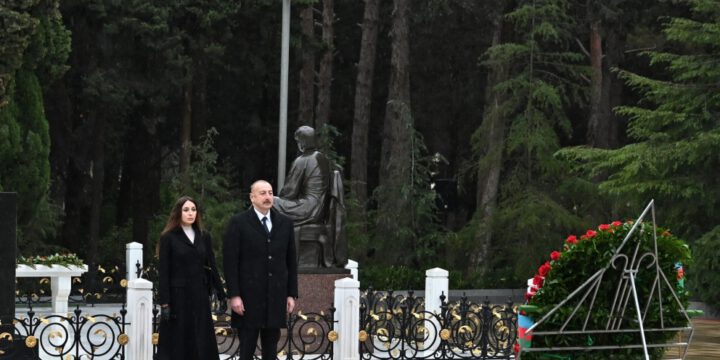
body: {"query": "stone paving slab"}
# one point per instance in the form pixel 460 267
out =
pixel 706 340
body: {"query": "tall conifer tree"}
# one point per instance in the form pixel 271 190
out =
pixel 543 78
pixel 674 130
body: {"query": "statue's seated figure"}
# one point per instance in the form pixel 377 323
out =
pixel 313 197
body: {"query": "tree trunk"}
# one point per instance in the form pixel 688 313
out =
pixel 97 176
pixel 490 165
pixel 59 113
pixel 124 203
pixel 396 146
pixel 602 127
pixel 363 102
pixel 326 66
pixel 145 186
pixel 186 129
pixel 199 103
pixel 306 84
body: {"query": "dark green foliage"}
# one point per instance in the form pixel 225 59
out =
pixel 544 79
pixel 411 215
pixel 209 186
pixel 392 277
pixel 579 262
pixel 674 131
pixel 50 45
pixel 33 41
pixel 26 146
pixel 327 136
pixel 132 62
pixel 705 275
pixel 17 26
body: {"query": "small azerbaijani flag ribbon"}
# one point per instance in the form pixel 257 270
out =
pixel 524 339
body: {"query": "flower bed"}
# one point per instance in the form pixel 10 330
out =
pixel 65 260
pixel 580 259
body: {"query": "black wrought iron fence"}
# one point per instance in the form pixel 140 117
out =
pixel 399 327
pixel 308 336
pixel 35 290
pixel 79 335
pixel 100 284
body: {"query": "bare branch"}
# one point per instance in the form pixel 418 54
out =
pixel 630 51
pixel 582 47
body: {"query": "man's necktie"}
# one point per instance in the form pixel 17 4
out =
pixel 264 221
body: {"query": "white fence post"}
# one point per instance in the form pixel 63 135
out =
pixel 436 284
pixel 347 313
pixel 133 256
pixel 139 310
pixel 352 265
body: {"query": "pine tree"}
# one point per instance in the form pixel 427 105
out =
pixel 674 132
pixel 543 78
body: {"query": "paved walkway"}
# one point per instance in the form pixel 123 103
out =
pixel 706 341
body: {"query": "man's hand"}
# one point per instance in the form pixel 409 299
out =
pixel 237 306
pixel 290 304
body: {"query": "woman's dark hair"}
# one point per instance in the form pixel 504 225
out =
pixel 174 220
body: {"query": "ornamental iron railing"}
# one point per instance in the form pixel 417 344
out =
pixel 77 335
pixel 398 327
pixel 308 335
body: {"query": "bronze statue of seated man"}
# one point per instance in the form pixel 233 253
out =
pixel 313 197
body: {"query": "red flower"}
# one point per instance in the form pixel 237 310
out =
pixel 591 233
pixel 555 256
pixel 604 227
pixel 544 269
pixel 528 296
pixel 538 281
pixel 517 348
pixel 572 239
pixel 616 223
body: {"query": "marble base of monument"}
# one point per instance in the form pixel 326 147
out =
pixel 317 288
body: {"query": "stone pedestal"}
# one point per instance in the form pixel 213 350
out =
pixel 317 288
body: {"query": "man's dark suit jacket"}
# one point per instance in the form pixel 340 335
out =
pixel 261 269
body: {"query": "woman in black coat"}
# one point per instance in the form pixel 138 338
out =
pixel 187 275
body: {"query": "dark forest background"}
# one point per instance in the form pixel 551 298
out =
pixel 475 135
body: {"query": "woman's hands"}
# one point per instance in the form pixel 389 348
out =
pixel 237 306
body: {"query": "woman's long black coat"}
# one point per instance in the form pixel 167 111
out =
pixel 184 285
pixel 261 269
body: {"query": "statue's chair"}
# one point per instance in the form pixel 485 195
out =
pixel 323 244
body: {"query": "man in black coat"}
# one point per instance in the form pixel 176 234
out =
pixel 261 272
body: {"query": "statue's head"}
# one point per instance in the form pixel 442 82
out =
pixel 305 138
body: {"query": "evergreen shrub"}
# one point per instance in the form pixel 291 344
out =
pixel 706 280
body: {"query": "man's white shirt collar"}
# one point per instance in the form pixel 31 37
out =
pixel 261 216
